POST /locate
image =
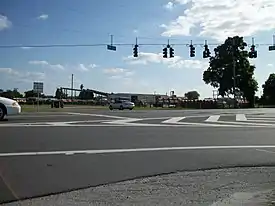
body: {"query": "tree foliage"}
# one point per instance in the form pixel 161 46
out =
pixel 11 94
pixel 192 95
pixel 31 93
pixel 220 72
pixel 269 89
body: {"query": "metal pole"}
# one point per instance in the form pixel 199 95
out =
pixel 72 86
pixel 234 72
pixel 37 101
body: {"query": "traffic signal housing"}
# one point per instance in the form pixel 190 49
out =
pixel 192 51
pixel 253 52
pixel 206 52
pixel 171 51
pixel 165 52
pixel 135 51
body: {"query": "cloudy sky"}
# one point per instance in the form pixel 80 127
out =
pixel 41 22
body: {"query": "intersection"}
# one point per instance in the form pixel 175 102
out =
pixel 46 153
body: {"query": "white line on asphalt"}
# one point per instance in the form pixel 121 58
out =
pixel 106 151
pixel 263 118
pixel 247 123
pixel 260 120
pixel 213 118
pixel 173 120
pixel 122 121
pixel 240 117
pixel 96 115
pixel 267 151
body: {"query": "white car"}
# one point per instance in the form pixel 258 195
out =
pixel 8 107
pixel 121 104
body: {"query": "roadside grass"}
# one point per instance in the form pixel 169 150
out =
pixel 47 108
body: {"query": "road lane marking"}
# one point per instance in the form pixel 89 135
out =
pixel 213 118
pixel 112 151
pixel 260 120
pixel 97 115
pixel 173 120
pixel 240 117
pixel 7 184
pixel 246 123
pixel 267 151
pixel 122 121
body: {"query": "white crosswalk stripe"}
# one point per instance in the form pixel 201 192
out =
pixel 213 118
pixel 173 120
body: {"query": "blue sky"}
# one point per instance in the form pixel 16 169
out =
pixel 36 22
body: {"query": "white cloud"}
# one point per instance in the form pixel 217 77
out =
pixel 82 67
pixel 270 65
pixel 9 71
pixel 93 66
pixel 114 71
pixel 47 64
pixel 220 19
pixel 43 17
pixel 119 73
pixel 176 62
pixel 5 23
pixel 23 76
pixel 169 5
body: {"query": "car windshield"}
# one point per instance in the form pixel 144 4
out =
pixel 140 102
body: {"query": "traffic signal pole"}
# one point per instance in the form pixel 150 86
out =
pixel 234 72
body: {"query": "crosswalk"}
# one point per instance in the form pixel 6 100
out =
pixel 232 120
pixel 214 120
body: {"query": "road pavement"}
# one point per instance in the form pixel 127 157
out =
pixel 48 153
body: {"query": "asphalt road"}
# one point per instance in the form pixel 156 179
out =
pixel 49 153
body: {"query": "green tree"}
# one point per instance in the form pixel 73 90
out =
pixel 30 93
pixel 220 72
pixel 269 90
pixel 192 95
pixel 16 93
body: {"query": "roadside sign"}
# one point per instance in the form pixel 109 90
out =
pixel 111 47
pixel 271 48
pixel 38 87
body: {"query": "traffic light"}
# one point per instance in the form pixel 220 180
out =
pixel 253 52
pixel 206 52
pixel 192 51
pixel 165 52
pixel 135 51
pixel 171 51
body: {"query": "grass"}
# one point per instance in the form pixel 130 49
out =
pixel 47 108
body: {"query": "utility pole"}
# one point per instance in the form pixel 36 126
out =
pixel 234 71
pixel 72 86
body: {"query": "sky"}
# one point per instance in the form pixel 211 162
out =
pixel 41 22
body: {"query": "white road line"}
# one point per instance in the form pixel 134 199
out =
pixel 173 120
pixel 122 121
pixel 106 151
pixel 240 117
pixel 267 151
pixel 260 120
pixel 213 118
pixel 96 115
pixel 247 123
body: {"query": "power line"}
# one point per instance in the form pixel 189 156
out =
pixel 115 44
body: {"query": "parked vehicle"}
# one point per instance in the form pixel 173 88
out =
pixel 120 104
pixel 8 107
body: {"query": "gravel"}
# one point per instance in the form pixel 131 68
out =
pixel 236 186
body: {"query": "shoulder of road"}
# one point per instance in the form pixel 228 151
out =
pixel 223 187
